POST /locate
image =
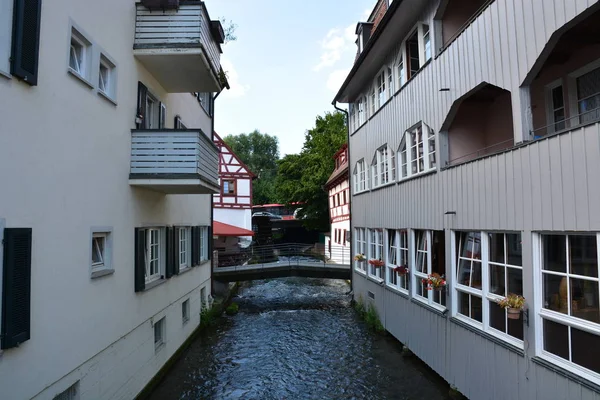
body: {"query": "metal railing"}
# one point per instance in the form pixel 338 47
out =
pixel 575 121
pixel 497 147
pixel 287 254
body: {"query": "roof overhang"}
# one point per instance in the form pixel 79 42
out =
pixel 221 229
pixel 397 23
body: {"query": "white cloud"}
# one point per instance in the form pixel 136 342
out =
pixel 236 88
pixel 336 78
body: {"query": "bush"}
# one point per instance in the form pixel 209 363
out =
pixel 232 309
pixel 209 316
pixel 369 315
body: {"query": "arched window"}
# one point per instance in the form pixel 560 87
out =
pixel 359 177
pixel 383 166
pixel 416 153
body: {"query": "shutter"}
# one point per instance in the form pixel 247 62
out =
pixel 26 40
pixel 195 245
pixel 175 257
pixel 170 252
pixel 209 243
pixel 142 94
pixel 140 259
pixel 16 291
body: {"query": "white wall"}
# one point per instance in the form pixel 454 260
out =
pixel 235 217
pixel 64 165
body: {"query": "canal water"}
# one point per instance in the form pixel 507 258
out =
pixel 297 338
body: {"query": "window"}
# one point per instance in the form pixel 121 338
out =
pixel 383 168
pixel 101 253
pixel 401 69
pixel 162 118
pixel 6 26
pixel 360 177
pixel 429 260
pixel 185 311
pixel 374 101
pixel 229 187
pixel 381 92
pixel 204 100
pixel 185 247
pixel 415 51
pixel 555 105
pixel 417 151
pixel 488 267
pixel 360 243
pixel 203 238
pixel 153 254
pixel 588 96
pixel 362 118
pixel 570 311
pixel 72 393
pixel 152 112
pixel 397 257
pixel 426 41
pixel 375 251
pixel 390 75
pixel 159 333
pixel 412 50
pixel 80 55
pixel 107 77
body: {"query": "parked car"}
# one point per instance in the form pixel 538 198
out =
pixel 266 214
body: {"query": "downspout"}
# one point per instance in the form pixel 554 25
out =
pixel 350 188
pixel 212 209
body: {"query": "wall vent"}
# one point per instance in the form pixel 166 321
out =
pixel 371 295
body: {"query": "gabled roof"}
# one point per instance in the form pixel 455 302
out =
pixel 222 229
pixel 224 148
pixel 341 170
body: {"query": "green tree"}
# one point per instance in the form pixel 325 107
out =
pixel 302 177
pixel 260 152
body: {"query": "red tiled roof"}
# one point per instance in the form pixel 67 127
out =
pixel 221 229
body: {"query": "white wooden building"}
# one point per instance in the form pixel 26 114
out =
pixel 474 150
pixel 108 170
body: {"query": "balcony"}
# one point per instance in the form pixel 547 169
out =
pixel 180 47
pixel 174 161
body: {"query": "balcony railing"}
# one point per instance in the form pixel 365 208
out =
pixel 567 124
pixel 174 42
pixel 174 161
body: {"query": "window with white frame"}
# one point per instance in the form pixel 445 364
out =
pixel 360 177
pixel 383 168
pixel 374 101
pixel 80 55
pixel 101 252
pixel 159 333
pixel 107 77
pixel 362 117
pixel 397 260
pixel 153 256
pixel 375 252
pixel 555 105
pixel 416 153
pixel 429 260
pixel 569 312
pixel 401 68
pixel 425 34
pixel 152 116
pixel 203 238
pixel 588 96
pixel 390 76
pixel 488 267
pixel 185 247
pixel 360 244
pixel 381 90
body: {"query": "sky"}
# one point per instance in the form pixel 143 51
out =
pixel 288 62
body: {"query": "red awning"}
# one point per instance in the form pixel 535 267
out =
pixel 221 229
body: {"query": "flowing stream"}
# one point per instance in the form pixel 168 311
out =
pixel 297 338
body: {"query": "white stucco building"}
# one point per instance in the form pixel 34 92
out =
pixel 107 166
pixel 337 244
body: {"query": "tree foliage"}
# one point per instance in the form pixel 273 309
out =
pixel 302 177
pixel 260 152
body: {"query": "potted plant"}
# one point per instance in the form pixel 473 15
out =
pixel 401 270
pixel 360 257
pixel 513 304
pixel 435 281
pixel 376 263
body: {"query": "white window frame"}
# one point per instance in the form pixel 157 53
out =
pixel 376 252
pixel 159 330
pixel 360 177
pixel 110 92
pixel 433 298
pixel 203 243
pixel 84 72
pixel 360 247
pixel 153 110
pixel 541 313
pixel 374 101
pixel 390 80
pixel 400 67
pixel 425 149
pixel 106 267
pixel 550 108
pixel 397 254
pixel 381 87
pixel 148 260
pixel 362 111
pixel 184 247
pixel 6 30
pixel 383 167
pixel 483 293
pixel 574 95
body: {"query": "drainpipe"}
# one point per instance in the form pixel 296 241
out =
pixel 334 103
pixel 212 210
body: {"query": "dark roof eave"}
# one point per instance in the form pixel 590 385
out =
pixel 361 58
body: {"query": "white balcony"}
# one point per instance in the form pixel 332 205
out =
pixel 174 161
pixel 180 48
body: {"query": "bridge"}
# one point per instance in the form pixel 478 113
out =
pixel 284 260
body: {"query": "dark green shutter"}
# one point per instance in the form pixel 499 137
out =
pixel 140 259
pixel 170 253
pixel 142 94
pixel 16 288
pixel 26 40
pixel 195 245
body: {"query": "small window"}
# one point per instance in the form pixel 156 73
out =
pixel 153 254
pixel 185 311
pixel 101 253
pixel 159 333
pixel 72 393
pixel 228 187
pixel 107 77
pixel 185 247
pixel 80 55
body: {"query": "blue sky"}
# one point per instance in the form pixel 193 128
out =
pixel 289 60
